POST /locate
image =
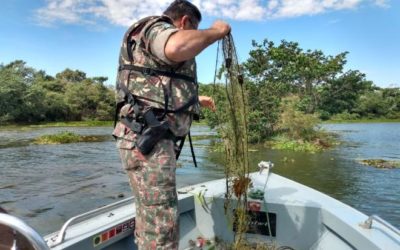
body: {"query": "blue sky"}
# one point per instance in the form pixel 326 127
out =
pixel 56 34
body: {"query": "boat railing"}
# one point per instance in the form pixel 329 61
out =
pixel 368 224
pixel 18 226
pixel 61 235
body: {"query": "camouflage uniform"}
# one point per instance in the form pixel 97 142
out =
pixel 152 176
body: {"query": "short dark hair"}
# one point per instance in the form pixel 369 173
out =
pixel 179 8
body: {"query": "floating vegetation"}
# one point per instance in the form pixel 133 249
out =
pixel 42 210
pixel 380 163
pixel 321 142
pixel 10 186
pixel 297 146
pixel 67 137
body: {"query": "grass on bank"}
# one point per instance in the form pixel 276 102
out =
pixel 74 124
pixel 362 120
pixel 21 126
pixel 67 137
pixel 346 117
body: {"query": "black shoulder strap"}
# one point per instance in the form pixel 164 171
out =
pixel 129 98
pixel 156 72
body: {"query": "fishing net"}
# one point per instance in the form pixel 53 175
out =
pixel 233 128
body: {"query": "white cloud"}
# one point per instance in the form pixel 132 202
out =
pixel 118 12
pixel 124 12
pixel 382 3
pixel 294 8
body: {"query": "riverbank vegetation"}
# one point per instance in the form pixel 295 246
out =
pixel 290 91
pixel 88 123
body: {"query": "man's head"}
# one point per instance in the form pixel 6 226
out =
pixel 184 14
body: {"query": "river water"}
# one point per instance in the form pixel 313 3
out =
pixel 45 185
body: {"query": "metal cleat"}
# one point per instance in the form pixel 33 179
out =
pixel 265 165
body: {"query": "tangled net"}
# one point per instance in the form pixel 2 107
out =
pixel 233 127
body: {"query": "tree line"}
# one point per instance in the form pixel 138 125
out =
pixel 28 95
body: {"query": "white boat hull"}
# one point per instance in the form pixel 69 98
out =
pixel 300 218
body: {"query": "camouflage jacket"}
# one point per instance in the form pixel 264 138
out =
pixel 146 40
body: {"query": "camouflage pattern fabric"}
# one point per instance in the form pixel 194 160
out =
pixel 152 179
pixel 148 51
pixel 152 176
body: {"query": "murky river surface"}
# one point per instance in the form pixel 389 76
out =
pixel 47 184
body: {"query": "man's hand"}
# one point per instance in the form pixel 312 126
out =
pixel 207 102
pixel 222 27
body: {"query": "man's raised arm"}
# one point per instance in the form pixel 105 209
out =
pixel 188 43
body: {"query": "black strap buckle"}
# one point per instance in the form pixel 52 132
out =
pixel 147 71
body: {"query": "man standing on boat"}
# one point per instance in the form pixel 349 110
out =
pixel 157 99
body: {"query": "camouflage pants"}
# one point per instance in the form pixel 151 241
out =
pixel 152 179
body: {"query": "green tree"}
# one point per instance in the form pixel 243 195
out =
pixel 286 68
pixel 342 94
pixel 392 96
pixel 69 75
pixel 373 105
pixel 15 79
pixel 34 107
pixel 88 100
pixel 277 71
pixel 105 100
pixel 56 106
pixel 28 95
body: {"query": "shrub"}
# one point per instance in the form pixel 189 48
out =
pixel 294 123
pixel 346 116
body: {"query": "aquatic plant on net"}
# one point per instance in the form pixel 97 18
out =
pixel 233 128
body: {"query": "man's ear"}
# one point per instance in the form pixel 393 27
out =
pixel 184 21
